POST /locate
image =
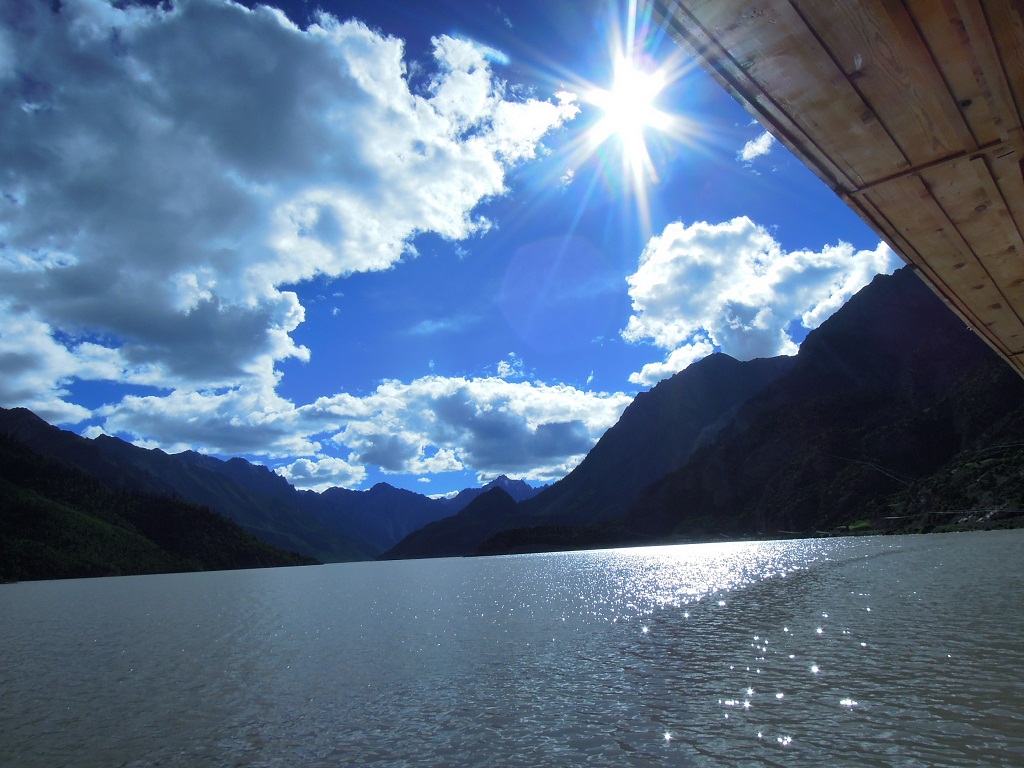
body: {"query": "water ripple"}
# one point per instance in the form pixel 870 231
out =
pixel 889 651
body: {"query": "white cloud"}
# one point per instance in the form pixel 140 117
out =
pixel 732 286
pixel 322 473
pixel 493 426
pixel 167 170
pixel 240 420
pixel 678 359
pixel 512 367
pixel 34 369
pixel 427 426
pixel 755 148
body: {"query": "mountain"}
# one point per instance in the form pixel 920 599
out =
pixel 380 516
pixel 59 522
pixel 493 509
pixel 894 415
pixel 656 433
pixel 519 490
pixel 255 498
pixel 335 525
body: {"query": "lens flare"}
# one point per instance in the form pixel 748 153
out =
pixel 629 109
pixel 645 66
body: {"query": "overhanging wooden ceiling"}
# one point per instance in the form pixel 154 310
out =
pixel 910 112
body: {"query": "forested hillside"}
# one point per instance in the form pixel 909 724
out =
pixel 58 522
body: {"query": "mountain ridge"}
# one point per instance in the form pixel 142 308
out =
pixel 879 402
pixel 335 525
pixel 57 521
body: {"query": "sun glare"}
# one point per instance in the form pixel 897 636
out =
pixel 630 128
pixel 629 108
pixel 629 115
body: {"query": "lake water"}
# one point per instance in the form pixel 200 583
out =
pixel 888 651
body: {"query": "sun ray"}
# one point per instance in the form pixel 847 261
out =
pixel 628 115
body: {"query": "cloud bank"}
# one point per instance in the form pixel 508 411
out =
pixel 732 287
pixel 434 424
pixel 169 171
pixel 159 219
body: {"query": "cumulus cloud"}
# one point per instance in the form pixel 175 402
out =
pixel 149 229
pixel 755 148
pixel 678 359
pixel 511 367
pixel 433 424
pixel 33 368
pixel 148 226
pixel 427 426
pixel 731 286
pixel 322 473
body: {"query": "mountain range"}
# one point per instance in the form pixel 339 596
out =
pixel 57 521
pixel 335 525
pixel 893 416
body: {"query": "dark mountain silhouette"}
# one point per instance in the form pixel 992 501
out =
pixel 656 433
pixel 59 522
pixel 259 502
pixel 335 525
pixel 384 515
pixel 380 516
pixel 519 490
pixel 890 400
pixel 877 424
pixel 489 510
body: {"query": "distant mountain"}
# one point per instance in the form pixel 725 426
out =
pixel 380 516
pixel 656 433
pixel 254 497
pixel 384 515
pixel 519 490
pixel 893 416
pixel 489 510
pixel 59 522
pixel 335 525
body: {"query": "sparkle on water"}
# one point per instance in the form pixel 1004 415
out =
pixel 567 658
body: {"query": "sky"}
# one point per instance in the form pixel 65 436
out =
pixel 417 243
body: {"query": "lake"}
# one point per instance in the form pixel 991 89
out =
pixel 881 651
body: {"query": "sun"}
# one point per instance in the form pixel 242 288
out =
pixel 629 113
pixel 629 108
pixel 623 119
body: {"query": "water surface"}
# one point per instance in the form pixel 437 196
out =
pixel 889 651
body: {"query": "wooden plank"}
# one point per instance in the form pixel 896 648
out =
pixel 692 37
pixel 946 37
pixel 1005 261
pixel 778 54
pixel 949 257
pixel 971 201
pixel 1006 24
pixel 893 71
pixel 1005 165
pixel 876 216
pixel 983 47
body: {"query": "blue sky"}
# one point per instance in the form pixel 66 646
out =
pixel 423 243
